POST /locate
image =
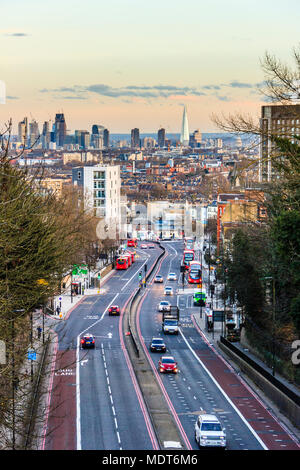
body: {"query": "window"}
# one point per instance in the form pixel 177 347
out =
pixel 99 175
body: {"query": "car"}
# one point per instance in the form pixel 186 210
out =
pixel 151 246
pixel 168 290
pixel 167 364
pixel 209 432
pixel 164 306
pixel 114 310
pixel 172 277
pixel 143 246
pixel 159 278
pixel 87 341
pixel 157 344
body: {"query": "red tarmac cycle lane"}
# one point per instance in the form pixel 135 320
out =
pixel 61 428
pixel 269 430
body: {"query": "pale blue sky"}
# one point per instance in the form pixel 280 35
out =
pixel 86 57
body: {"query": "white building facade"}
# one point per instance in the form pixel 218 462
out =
pixel 101 189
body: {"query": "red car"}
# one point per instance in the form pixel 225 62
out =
pixel 87 341
pixel 114 310
pixel 167 364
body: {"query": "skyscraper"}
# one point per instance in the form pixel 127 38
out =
pixel 161 137
pixel 60 129
pixel 23 131
pixel 34 132
pixel 184 137
pixel 106 138
pixel 135 138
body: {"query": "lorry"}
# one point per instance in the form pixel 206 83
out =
pixel 170 321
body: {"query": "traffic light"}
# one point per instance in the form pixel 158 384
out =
pixel 140 276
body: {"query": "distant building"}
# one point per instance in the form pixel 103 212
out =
pixel 23 131
pixel 82 138
pixel 34 133
pixel 149 143
pixel 276 120
pixel 196 139
pixel 161 137
pixel 184 136
pixel 135 138
pixel 60 129
pixel 106 138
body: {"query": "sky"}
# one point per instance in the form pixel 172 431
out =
pixel 135 63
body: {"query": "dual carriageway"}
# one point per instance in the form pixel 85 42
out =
pixel 95 400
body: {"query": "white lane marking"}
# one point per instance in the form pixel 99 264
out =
pixel 224 394
pixel 135 273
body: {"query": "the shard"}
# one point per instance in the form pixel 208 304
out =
pixel 185 136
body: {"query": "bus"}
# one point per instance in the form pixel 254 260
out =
pixel 131 254
pixel 195 274
pixel 189 243
pixel 188 256
pixel 122 262
pixel 132 242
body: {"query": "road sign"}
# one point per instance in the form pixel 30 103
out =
pixel 31 355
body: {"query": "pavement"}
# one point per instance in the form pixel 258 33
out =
pixel 66 303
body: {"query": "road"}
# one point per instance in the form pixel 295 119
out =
pixel 95 399
pixel 205 382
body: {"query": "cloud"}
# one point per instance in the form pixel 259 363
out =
pixel 129 91
pixel 17 35
pixel 236 84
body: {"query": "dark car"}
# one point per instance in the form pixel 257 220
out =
pixel 157 344
pixel 167 364
pixel 87 341
pixel 114 310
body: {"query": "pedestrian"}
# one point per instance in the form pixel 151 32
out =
pixel 39 330
pixel 57 310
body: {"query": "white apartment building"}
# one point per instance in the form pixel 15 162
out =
pixel 101 185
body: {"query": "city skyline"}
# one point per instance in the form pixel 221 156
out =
pixel 127 65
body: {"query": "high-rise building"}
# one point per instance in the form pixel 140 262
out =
pixel 106 138
pixel 135 138
pixel 60 129
pixel 34 133
pixel 161 137
pixel 23 131
pixel 101 190
pixel 276 120
pixel 184 136
pixel 46 135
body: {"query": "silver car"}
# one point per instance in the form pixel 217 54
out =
pixel 168 290
pixel 172 277
pixel 209 432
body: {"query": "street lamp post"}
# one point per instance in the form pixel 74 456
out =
pixel 271 278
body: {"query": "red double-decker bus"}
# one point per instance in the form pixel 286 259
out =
pixel 132 242
pixel 132 255
pixel 188 256
pixel 122 262
pixel 195 273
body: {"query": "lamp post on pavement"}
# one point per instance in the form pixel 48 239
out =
pixel 271 278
